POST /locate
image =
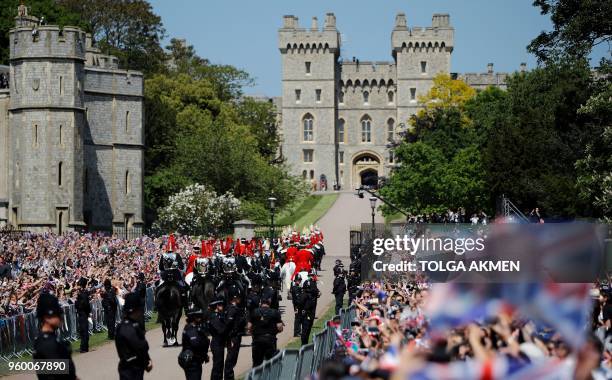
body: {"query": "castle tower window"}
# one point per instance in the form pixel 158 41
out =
pixel 366 97
pixel 366 129
pixel 35 135
pixel 390 96
pixel 423 67
pixel 128 185
pixel 61 85
pixel 59 174
pixel 308 127
pixel 413 94
pixel 318 95
pixel 390 130
pixel 127 121
pixel 341 97
pixel 308 154
pixel 307 67
pixel 341 157
pixel 61 135
pixel 298 95
pixel 340 135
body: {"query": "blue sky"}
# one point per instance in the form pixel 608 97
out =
pixel 243 33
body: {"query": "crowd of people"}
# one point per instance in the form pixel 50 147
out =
pixel 397 334
pixel 451 216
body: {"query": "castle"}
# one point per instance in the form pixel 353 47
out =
pixel 71 134
pixel 339 120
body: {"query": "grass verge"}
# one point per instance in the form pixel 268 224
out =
pixel 309 211
pixel 95 340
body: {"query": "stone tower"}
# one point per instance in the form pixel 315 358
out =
pixel 310 71
pixel 46 123
pixel 420 53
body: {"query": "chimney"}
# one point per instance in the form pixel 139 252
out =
pixel 523 67
pixel 400 22
pixel 330 21
pixel 440 20
pixel 490 68
pixel 315 25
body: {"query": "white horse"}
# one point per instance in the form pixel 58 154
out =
pixel 286 274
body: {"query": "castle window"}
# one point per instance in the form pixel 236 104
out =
pixel 318 95
pixel 61 135
pixel 340 135
pixel 390 130
pixel 128 185
pixel 390 96
pixel 423 67
pixel 305 174
pixel 127 121
pixel 413 94
pixel 308 154
pixel 59 174
pixel 341 157
pixel 35 135
pixel 366 129
pixel 61 85
pixel 308 127
pixel 298 95
pixel 341 97
pixel 366 97
pixel 307 67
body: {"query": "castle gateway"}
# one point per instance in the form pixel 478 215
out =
pixel 340 119
pixel 71 134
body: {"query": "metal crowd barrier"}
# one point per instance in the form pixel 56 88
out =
pixel 292 364
pixel 17 333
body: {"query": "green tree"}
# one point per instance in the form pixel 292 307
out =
pixel 578 26
pixel 128 29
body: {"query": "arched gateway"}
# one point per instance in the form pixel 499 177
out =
pixel 366 169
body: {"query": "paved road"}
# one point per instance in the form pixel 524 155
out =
pixel 101 362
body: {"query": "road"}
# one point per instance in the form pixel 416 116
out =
pixel 101 362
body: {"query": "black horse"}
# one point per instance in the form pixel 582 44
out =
pixel 169 308
pixel 202 291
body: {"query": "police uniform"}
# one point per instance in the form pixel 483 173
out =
pixel 109 303
pixel 195 348
pixel 49 345
pixel 235 323
pixel 338 291
pixel 131 344
pixel 217 328
pixel 353 286
pixel 310 293
pixel 296 300
pixel 264 327
pixel 83 309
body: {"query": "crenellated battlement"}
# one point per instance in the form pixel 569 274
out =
pixel 439 37
pixel 367 74
pixel 48 41
pixel 294 39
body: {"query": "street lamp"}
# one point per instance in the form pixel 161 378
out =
pixel 272 202
pixel 373 205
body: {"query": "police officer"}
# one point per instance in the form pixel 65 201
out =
pixel 141 290
pixel 353 282
pixel 195 345
pixel 310 293
pixel 296 300
pixel 83 309
pixel 265 323
pixel 48 344
pixel 109 303
pixel 236 322
pixel 217 329
pixel 130 341
pixel 338 267
pixel 338 290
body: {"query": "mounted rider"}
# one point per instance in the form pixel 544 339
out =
pixel 171 267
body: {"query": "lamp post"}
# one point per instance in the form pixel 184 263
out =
pixel 272 202
pixel 373 205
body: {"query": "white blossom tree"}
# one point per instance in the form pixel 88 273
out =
pixel 198 211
